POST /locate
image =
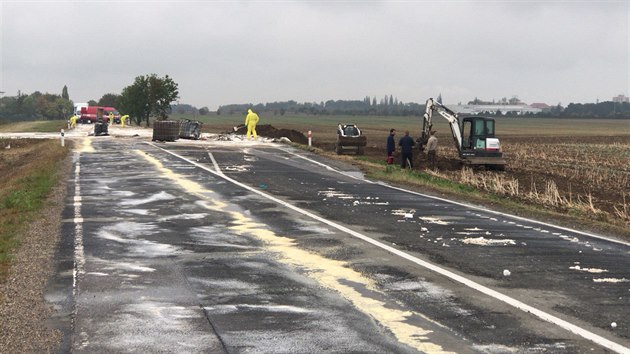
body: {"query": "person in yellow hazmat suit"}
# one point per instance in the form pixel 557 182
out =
pixel 111 118
pixel 123 119
pixel 73 121
pixel 250 121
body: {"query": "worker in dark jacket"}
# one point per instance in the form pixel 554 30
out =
pixel 406 150
pixel 391 146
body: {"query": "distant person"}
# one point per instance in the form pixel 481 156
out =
pixel 123 119
pixel 432 149
pixel 391 146
pixel 73 121
pixel 250 121
pixel 406 150
pixel 111 118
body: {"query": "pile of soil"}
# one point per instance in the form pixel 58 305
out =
pixel 269 131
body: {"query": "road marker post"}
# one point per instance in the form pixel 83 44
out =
pixel 62 138
pixel 310 138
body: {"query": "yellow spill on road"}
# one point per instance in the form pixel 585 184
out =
pixel 329 273
pixel 186 184
pixel 86 146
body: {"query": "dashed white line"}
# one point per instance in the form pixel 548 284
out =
pixel 79 257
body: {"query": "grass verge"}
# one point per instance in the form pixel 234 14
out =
pixel 37 126
pixel 28 172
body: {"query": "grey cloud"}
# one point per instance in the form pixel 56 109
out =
pixel 232 52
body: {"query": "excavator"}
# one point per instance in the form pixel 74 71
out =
pixel 474 137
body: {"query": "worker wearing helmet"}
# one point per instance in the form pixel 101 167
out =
pixel 250 121
pixel 111 118
pixel 123 119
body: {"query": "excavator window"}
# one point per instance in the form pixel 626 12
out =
pixel 489 128
pixel 479 128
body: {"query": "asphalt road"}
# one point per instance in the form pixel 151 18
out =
pixel 244 247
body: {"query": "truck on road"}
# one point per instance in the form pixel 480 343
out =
pixel 92 114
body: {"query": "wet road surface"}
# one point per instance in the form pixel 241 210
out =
pixel 225 247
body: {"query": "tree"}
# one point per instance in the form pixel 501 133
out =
pixel 109 100
pixel 204 111
pixel 92 103
pixel 149 96
pixel 514 100
pixel 64 92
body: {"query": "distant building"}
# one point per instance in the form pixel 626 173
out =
pixel 621 99
pixel 542 106
pixel 517 109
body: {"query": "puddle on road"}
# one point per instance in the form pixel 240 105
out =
pixel 335 275
pixel 223 309
pixel 154 198
pixel 194 216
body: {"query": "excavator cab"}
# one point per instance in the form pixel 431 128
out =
pixel 476 131
pixel 479 145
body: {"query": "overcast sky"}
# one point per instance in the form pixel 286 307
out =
pixel 222 52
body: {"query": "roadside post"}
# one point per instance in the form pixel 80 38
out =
pixel 310 138
pixel 62 138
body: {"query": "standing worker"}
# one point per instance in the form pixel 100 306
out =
pixel 406 150
pixel 73 121
pixel 391 146
pixel 123 119
pixel 432 149
pixel 250 121
pixel 111 118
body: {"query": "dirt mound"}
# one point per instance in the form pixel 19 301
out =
pixel 268 131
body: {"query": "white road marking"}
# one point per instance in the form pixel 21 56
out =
pixel 79 256
pixel 604 342
pixel 216 165
pixel 347 174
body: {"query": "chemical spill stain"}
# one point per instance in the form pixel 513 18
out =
pixel 480 241
pixel 86 146
pixel 589 270
pixel 433 220
pixel 611 280
pixel 335 275
pixel 331 193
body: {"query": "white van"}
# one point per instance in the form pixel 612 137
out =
pixel 77 108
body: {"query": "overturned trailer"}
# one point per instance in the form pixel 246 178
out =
pixel 171 130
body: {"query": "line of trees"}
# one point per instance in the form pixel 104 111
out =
pixel 153 96
pixel 390 106
pixel 148 96
pixel 42 106
pixel 386 106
